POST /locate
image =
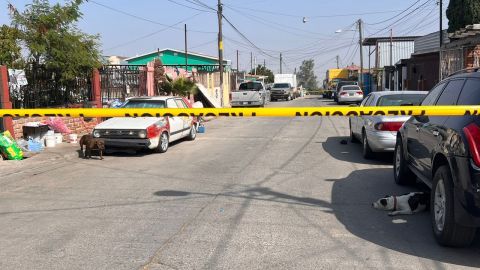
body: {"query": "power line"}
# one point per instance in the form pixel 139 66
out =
pixel 190 7
pixel 399 14
pixel 403 17
pixel 144 19
pixel 151 34
pixel 314 16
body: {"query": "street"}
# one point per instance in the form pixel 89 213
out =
pixel 250 193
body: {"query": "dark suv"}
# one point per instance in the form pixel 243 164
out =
pixel 444 153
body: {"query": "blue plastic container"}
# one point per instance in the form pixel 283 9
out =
pixel 201 129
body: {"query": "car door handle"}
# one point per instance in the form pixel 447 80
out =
pixel 435 133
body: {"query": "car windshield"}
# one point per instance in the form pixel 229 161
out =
pixel 401 99
pixel 252 86
pixel 351 88
pixel 145 104
pixel 281 85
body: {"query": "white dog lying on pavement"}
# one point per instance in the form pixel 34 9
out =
pixel 407 204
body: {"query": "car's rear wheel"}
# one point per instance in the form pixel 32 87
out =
pixel 447 232
pixel 366 150
pixel 353 139
pixel 163 143
pixel 401 173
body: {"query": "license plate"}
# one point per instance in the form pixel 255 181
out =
pixel 351 94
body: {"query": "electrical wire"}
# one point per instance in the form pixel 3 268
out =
pixel 190 7
pixel 399 14
pixel 144 19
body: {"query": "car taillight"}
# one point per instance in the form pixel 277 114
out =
pixel 388 126
pixel 359 93
pixel 472 132
pixel 153 131
pixel 343 93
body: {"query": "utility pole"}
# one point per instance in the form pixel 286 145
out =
pixel 391 47
pixel 236 74
pixel 220 47
pixel 441 22
pixel 281 63
pixel 251 62
pixel 264 63
pixel 338 59
pixel 360 32
pixel 255 65
pixel 186 50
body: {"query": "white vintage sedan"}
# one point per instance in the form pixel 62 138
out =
pixel 379 133
pixel 155 133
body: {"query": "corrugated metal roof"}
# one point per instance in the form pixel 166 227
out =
pixel 400 50
pixel 430 43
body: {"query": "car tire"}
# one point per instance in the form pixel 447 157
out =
pixel 401 173
pixel 272 99
pixel 163 143
pixel 353 139
pixel 193 133
pixel 366 150
pixel 447 232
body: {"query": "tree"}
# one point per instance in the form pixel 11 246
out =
pixel 306 75
pixel 10 51
pixel 51 37
pixel 261 70
pixel 461 13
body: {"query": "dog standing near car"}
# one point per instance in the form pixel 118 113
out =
pixel 90 144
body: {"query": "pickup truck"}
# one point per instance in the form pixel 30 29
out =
pixel 283 91
pixel 250 94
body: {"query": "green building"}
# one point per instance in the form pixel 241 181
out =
pixel 176 57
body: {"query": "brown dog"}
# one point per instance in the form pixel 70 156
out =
pixel 91 143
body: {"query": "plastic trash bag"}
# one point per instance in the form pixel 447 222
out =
pixel 9 147
pixel 57 124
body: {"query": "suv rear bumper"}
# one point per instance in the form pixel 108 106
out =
pixel 466 191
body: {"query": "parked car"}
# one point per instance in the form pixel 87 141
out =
pixel 350 94
pixel 339 86
pixel 379 133
pixel 283 91
pixel 250 94
pixel 444 153
pixel 155 133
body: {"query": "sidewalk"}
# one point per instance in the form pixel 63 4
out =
pixel 48 156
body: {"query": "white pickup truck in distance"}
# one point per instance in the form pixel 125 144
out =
pixel 250 94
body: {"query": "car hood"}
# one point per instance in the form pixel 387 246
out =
pixel 127 123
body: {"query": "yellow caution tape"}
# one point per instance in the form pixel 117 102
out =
pixel 246 112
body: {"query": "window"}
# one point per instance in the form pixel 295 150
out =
pixel 281 85
pixel 255 86
pixel 432 96
pixel 471 93
pixel 171 103
pixel 350 88
pixel 144 104
pixel 365 100
pixel 180 103
pixel 400 99
pixel 450 94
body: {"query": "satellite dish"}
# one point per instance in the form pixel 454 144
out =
pixel 305 19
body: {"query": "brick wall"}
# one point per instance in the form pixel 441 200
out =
pixel 75 124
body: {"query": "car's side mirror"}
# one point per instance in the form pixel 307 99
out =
pixel 422 118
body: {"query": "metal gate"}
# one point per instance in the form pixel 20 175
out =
pixel 122 81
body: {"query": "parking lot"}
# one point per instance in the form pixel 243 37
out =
pixel 250 193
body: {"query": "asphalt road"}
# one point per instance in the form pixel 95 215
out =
pixel 250 193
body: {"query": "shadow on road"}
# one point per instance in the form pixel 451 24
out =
pixel 352 152
pixel 351 203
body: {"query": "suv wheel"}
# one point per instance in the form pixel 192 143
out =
pixel 447 232
pixel 163 143
pixel 401 172
pixel 367 151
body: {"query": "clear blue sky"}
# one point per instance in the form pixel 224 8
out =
pixel 274 26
